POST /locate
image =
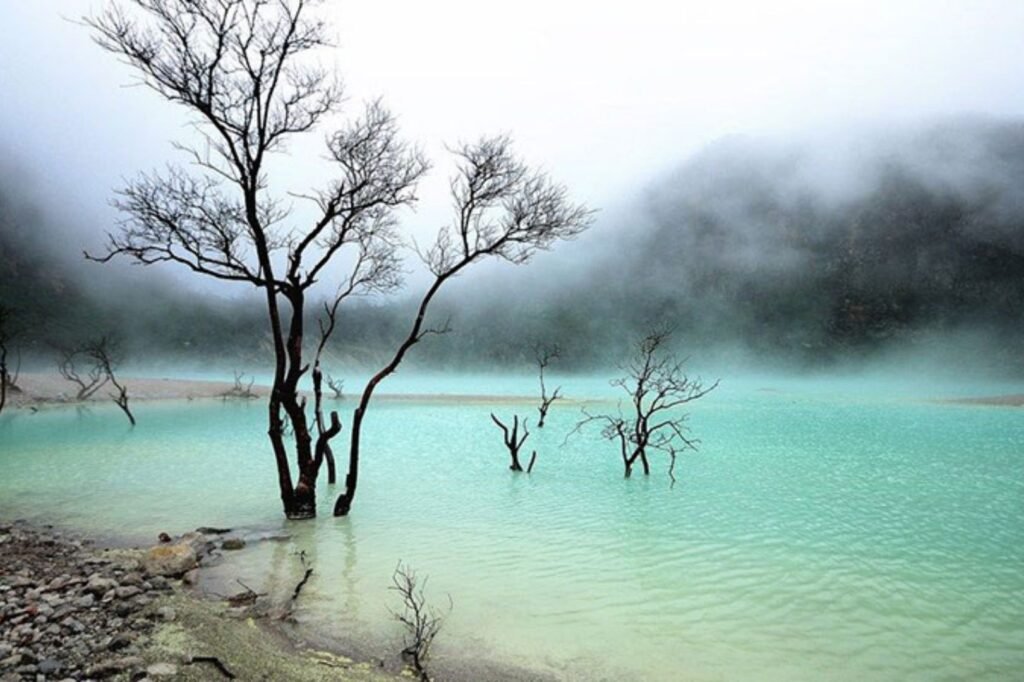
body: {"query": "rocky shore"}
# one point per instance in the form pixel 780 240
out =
pixel 70 611
pixel 67 613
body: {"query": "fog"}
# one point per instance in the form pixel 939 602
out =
pixel 798 185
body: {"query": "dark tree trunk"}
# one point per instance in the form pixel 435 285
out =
pixel 303 502
pixel 3 378
pixel 344 502
pixel 645 463
pixel 332 472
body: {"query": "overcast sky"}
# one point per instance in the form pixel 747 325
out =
pixel 603 95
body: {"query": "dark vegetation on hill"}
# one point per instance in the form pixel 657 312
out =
pixel 802 252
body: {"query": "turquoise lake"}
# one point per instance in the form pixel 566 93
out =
pixel 826 530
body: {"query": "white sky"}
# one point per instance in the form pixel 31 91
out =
pixel 602 95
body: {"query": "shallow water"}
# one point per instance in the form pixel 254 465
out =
pixel 833 530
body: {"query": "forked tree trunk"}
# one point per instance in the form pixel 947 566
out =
pixel 638 454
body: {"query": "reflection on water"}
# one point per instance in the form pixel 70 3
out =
pixel 819 534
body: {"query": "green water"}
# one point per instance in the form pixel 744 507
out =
pixel 834 530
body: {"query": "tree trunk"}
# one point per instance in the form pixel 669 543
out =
pixel 644 462
pixel 303 503
pixel 344 502
pixel 332 473
pixel 3 378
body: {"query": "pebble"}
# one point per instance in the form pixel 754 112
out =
pixel 69 613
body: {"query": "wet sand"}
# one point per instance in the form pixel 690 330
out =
pixel 44 388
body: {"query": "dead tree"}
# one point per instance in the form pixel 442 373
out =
pixel 324 432
pixel 337 387
pixel 105 354
pixel 502 210
pixel 240 390
pixel 6 336
pixel 544 355
pixel 422 622
pixel 244 70
pixel 514 443
pixel 79 366
pixel 656 387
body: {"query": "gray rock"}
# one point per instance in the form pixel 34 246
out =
pixel 99 585
pixel 11 661
pixel 85 601
pixel 132 578
pixel 73 625
pixel 233 544
pixel 127 592
pixel 49 666
pixel 119 642
pixel 197 541
pixel 166 613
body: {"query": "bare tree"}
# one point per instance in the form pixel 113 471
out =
pixel 544 355
pixel 91 366
pixel 105 354
pixel 657 387
pixel 242 68
pixel 239 389
pixel 325 432
pixel 337 387
pixel 422 622
pixel 513 442
pixel 502 210
pixel 80 367
pixel 6 336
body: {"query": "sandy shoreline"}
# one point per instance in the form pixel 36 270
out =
pixel 173 628
pixel 43 388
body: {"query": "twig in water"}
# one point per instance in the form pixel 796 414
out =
pixel 305 577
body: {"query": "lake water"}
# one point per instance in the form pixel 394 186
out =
pixel 837 530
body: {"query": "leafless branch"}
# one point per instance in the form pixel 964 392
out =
pixel 544 356
pixel 513 442
pixel 655 386
pixel 422 622
pixel 337 387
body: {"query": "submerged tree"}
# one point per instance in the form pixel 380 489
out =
pixel 544 355
pixel 105 354
pixel 6 336
pixel 337 387
pixel 514 443
pixel 657 387
pixel 78 366
pixel 90 365
pixel 242 69
pixel 502 210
